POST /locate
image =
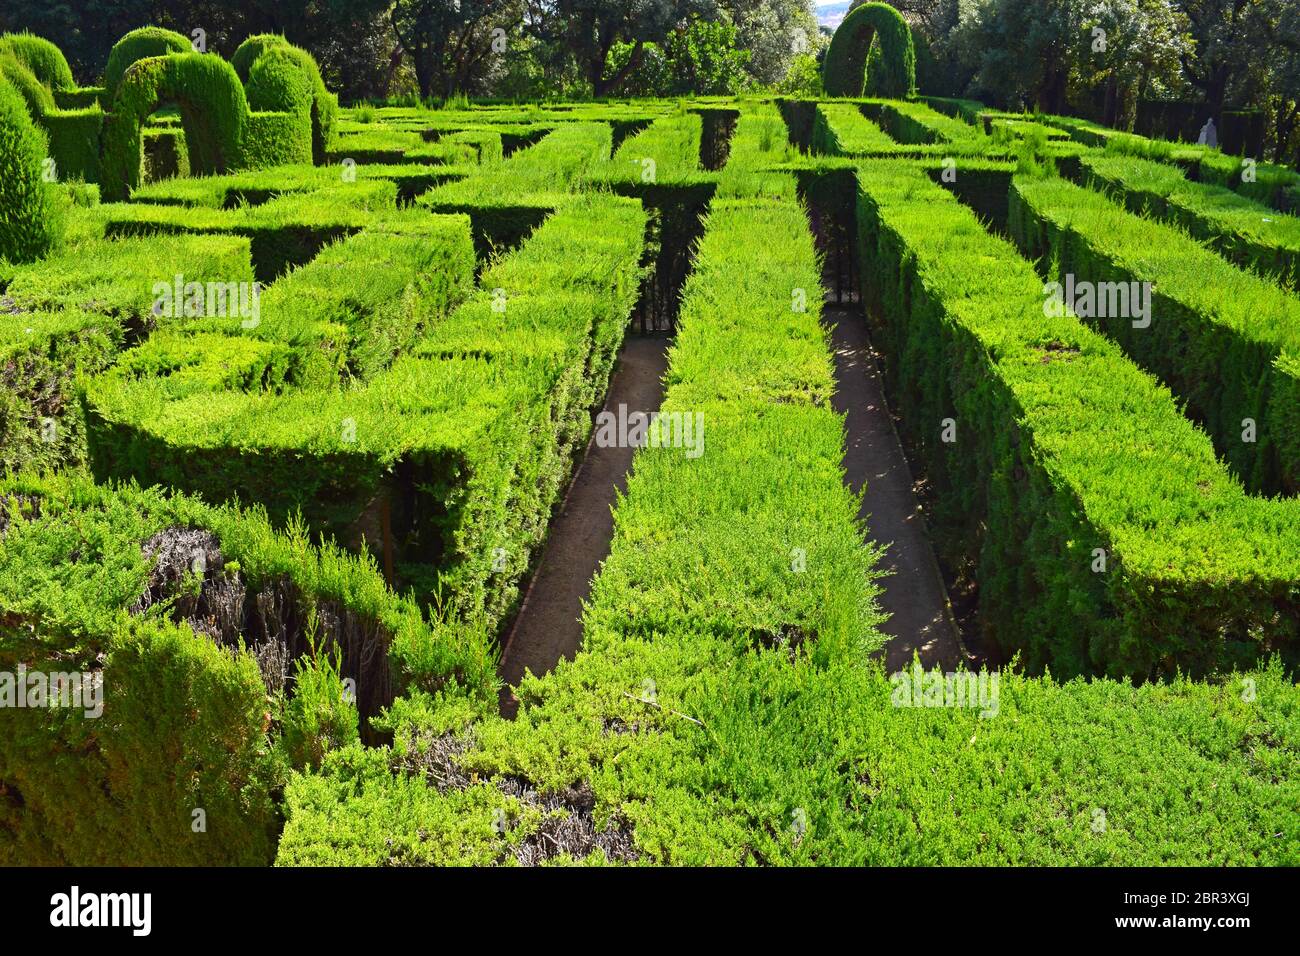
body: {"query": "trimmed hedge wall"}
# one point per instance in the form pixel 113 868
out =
pixel 507 200
pixel 1244 231
pixel 288 58
pixel 220 646
pixel 1065 453
pixel 213 107
pixel 845 71
pixel 1226 341
pixel 446 413
pixel 43 58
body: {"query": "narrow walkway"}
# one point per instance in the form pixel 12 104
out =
pixel 914 595
pixel 549 624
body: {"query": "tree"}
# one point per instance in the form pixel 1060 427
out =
pixel 1140 42
pixel 1024 50
pixel 589 29
pixel 774 32
pixel 448 41
pixel 1223 34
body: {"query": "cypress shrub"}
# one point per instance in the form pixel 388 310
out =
pixel 27 214
pixel 324 109
pixel 213 107
pixel 36 94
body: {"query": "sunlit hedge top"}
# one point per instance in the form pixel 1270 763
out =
pixel 138 44
pixel 43 58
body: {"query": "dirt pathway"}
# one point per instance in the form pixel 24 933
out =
pixel 549 624
pixel 914 594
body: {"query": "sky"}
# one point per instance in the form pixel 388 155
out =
pixel 831 12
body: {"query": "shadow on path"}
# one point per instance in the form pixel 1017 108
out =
pixel 549 624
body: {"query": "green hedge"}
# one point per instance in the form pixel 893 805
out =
pixel 893 72
pixel 29 218
pixel 200 705
pixel 665 154
pixel 213 107
pixel 684 733
pixel 918 124
pixel 165 155
pixel 36 94
pixel 468 433
pixel 1064 447
pixel 140 44
pixel 69 314
pixel 700 591
pixel 75 139
pixel 275 139
pixel 43 58
pixel 287 58
pixel 1226 341
pixel 840 129
pixel 284 232
pixel 507 200
pixel 1244 231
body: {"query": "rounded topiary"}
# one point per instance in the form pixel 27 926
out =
pixel 35 94
pixel 277 82
pixel 214 113
pixel 251 49
pixel 28 219
pixel 324 104
pixel 42 57
pixel 894 71
pixel 137 45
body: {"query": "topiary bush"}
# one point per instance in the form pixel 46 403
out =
pixel 37 95
pixel 324 106
pixel 278 83
pixel 893 72
pixel 28 220
pixel 137 45
pixel 214 113
pixel 42 57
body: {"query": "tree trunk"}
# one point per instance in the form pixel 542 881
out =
pixel 610 85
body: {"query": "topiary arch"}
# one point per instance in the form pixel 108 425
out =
pixel 137 45
pixel 893 72
pixel 214 112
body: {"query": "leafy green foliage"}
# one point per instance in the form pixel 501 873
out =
pixel 43 58
pixel 187 724
pixel 1063 447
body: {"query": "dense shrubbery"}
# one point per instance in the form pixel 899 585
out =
pixel 423 406
pixel 190 617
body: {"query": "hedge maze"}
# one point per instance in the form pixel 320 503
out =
pixel 292 394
